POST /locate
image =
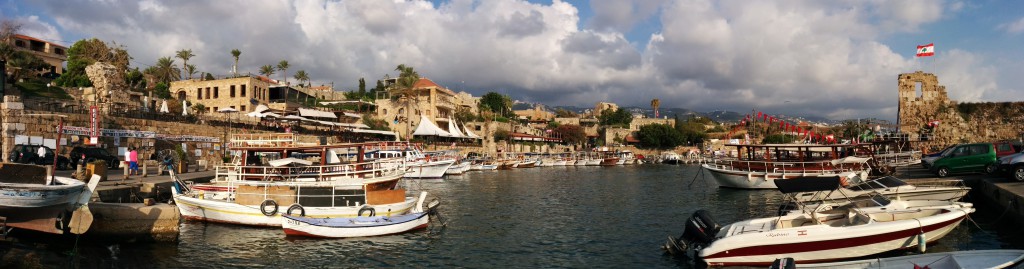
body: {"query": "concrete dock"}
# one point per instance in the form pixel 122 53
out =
pixel 995 190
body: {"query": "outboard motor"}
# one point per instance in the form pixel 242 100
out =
pixel 701 228
pixel 784 263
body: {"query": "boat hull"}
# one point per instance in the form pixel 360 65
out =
pixel 228 212
pixel 996 258
pixel 823 243
pixel 759 180
pixel 435 169
pixel 457 169
pixel 357 227
pixel 38 207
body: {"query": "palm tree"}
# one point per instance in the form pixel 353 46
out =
pixel 283 66
pixel 184 55
pixel 267 70
pixel 164 70
pixel 403 90
pixel 235 53
pixel 190 69
pixel 301 76
pixel 655 104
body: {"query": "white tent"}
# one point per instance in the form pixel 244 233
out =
pixel 470 134
pixel 184 108
pixel 453 129
pixel 260 108
pixel 427 127
pixel 227 110
pixel 312 113
pixel 163 107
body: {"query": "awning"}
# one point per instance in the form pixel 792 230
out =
pixel 227 110
pixel 352 115
pixel 312 113
pixel 368 131
pixel 470 134
pixel 347 102
pixel 288 162
pixel 453 130
pixel 428 127
pixel 260 109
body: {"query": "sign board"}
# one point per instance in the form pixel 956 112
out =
pixel 199 153
pixel 50 143
pixel 20 139
pixel 94 124
pixel 35 140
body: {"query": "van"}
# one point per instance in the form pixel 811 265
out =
pixel 977 157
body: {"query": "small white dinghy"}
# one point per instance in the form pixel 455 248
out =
pixel 361 226
pixel 997 258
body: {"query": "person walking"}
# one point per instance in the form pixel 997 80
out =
pixel 133 162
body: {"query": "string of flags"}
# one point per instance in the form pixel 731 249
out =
pixel 784 126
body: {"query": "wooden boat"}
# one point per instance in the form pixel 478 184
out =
pixel 760 165
pixel 996 258
pixel 822 233
pixel 29 200
pixel 257 191
pixel 360 226
pixel 669 157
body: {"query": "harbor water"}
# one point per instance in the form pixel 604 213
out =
pixel 604 217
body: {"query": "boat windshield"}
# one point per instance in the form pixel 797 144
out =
pixel 880 183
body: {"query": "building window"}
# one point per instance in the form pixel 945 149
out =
pixel 216 92
pixel 243 109
pixel 209 109
pixel 232 91
pixel 58 51
pixel 19 43
pixel 199 94
pixel 216 109
pixel 208 93
pixel 385 111
pixel 232 107
pixel 243 90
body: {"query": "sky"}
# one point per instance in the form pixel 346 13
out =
pixel 833 59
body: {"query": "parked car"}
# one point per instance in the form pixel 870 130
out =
pixel 90 154
pixel 977 157
pixel 1006 148
pixel 1013 166
pixel 30 154
pixel 929 159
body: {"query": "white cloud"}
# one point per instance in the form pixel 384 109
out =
pixel 34 27
pixel 1014 27
pixel 794 57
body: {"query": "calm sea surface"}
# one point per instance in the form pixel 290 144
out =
pixel 606 217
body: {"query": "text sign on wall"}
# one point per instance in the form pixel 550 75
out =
pixel 94 123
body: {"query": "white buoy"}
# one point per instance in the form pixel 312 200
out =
pixel 922 245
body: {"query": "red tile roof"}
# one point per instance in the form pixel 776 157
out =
pixel 425 83
pixel 19 36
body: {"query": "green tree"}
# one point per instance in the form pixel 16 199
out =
pixel 562 113
pixel 362 88
pixel 184 55
pixel 497 103
pixel 375 123
pixel 86 52
pixel 502 135
pixel 464 114
pixel 659 136
pixel 267 70
pixel 571 134
pixel 692 129
pixel 190 69
pixel 135 80
pixel 377 89
pixel 209 76
pixel 164 70
pixel 618 117
pixel 235 53
pixel 198 109
pixel 403 90
pixel 283 66
pixel 302 76
pixel 162 90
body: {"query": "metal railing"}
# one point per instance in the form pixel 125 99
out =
pixel 368 170
pixel 819 167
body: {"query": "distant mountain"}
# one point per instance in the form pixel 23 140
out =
pixel 717 115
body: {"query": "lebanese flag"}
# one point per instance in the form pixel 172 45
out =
pixel 926 50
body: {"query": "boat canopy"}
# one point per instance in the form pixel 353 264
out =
pixel 849 160
pixel 288 161
pixel 808 184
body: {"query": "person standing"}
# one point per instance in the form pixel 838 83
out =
pixel 40 155
pixel 133 162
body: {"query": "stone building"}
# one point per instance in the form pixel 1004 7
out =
pixel 51 53
pixel 602 106
pixel 437 103
pixel 240 93
pixel 927 114
pixel 537 114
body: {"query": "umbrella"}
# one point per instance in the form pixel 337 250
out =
pixel 163 107
pixel 184 108
pixel 227 110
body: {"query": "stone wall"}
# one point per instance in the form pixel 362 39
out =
pixel 957 122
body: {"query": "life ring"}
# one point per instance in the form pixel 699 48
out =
pixel 373 212
pixel 302 210
pixel 265 204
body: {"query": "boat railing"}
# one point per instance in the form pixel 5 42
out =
pixel 366 170
pixel 938 183
pixel 262 140
pixel 823 167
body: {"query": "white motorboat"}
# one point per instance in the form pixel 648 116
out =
pixel 822 233
pixel 995 258
pixel 37 202
pixel 360 226
pixel 892 188
pixel 753 170
pixel 458 168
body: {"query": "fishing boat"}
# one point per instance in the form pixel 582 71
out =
pixel 819 233
pixel 995 258
pixel 33 201
pixel 277 176
pixel 669 157
pixel 360 226
pixel 759 166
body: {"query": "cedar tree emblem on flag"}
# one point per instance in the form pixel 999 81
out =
pixel 926 50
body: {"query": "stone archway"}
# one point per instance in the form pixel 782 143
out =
pixel 182 95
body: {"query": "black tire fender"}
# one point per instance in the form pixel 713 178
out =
pixel 293 207
pixel 373 212
pixel 267 203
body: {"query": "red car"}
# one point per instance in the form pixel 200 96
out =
pixel 1004 148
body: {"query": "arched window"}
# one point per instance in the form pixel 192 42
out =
pixel 182 95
